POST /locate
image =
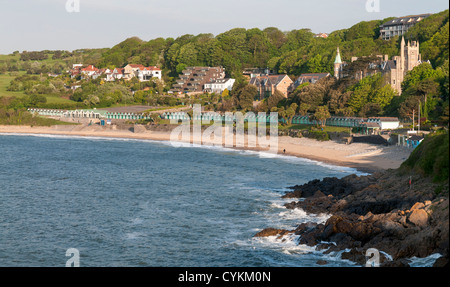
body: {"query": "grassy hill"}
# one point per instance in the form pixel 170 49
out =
pixel 431 157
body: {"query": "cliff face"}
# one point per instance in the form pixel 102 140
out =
pixel 403 213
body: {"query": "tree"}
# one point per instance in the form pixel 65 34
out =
pixel 287 114
pixel 345 112
pixel 321 115
pixel 274 99
pixel 409 107
pixel 290 112
pixel 383 96
pixel 246 97
pixel 370 110
pixel 304 109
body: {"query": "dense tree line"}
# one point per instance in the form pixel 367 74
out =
pixel 33 56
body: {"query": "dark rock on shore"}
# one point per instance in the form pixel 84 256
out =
pixel 272 232
pixel 380 211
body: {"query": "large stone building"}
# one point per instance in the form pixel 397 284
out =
pixel 268 84
pixel 395 69
pixel 399 26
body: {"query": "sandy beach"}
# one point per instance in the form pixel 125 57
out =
pixel 364 157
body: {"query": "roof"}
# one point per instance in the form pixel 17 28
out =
pixel 311 77
pixel 411 19
pixel 390 65
pixel 151 68
pixel 267 79
pixel 388 119
pixel 136 66
pixel 321 35
pixel 219 81
pixel 371 125
pixel 338 57
pixel 89 68
pixel 416 138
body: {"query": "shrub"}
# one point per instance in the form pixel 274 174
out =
pixel 319 135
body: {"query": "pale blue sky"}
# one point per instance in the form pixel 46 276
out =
pixel 35 25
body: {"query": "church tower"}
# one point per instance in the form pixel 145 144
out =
pixel 412 55
pixel 338 65
pixel 401 65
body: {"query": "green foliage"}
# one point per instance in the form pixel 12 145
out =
pixel 13 112
pixel 319 135
pixel 33 56
pixel 425 85
pixel 370 95
pixel 274 100
pixel 431 157
pixel 321 115
pixel 246 96
pixel 432 33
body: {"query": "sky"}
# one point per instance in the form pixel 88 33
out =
pixel 36 25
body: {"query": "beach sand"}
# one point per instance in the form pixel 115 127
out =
pixel 364 157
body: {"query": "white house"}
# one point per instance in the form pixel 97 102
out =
pixel 89 71
pixel 112 75
pixel 143 73
pixel 219 85
pixel 147 73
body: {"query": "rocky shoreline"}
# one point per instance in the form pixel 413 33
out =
pixel 382 211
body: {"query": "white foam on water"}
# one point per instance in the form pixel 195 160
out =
pixel 287 244
pixel 302 216
pixel 424 262
pixel 137 221
pixel 389 257
pixel 134 235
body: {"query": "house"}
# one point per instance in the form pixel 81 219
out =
pixel 386 123
pixel 321 35
pixel 115 74
pixel 76 70
pixel 147 73
pixel 141 72
pixel 193 79
pixel 399 26
pixel 254 72
pixel 219 85
pixel 311 78
pixel 89 72
pixel 268 84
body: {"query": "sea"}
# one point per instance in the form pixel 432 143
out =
pixel 111 202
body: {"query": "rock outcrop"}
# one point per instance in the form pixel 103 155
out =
pixel 381 211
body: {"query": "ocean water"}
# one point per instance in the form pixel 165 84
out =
pixel 133 203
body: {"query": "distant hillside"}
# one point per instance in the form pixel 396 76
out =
pixel 432 33
pixel 293 52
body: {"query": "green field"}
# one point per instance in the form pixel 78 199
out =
pixel 5 79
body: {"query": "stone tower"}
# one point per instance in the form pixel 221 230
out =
pixel 408 59
pixel 412 54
